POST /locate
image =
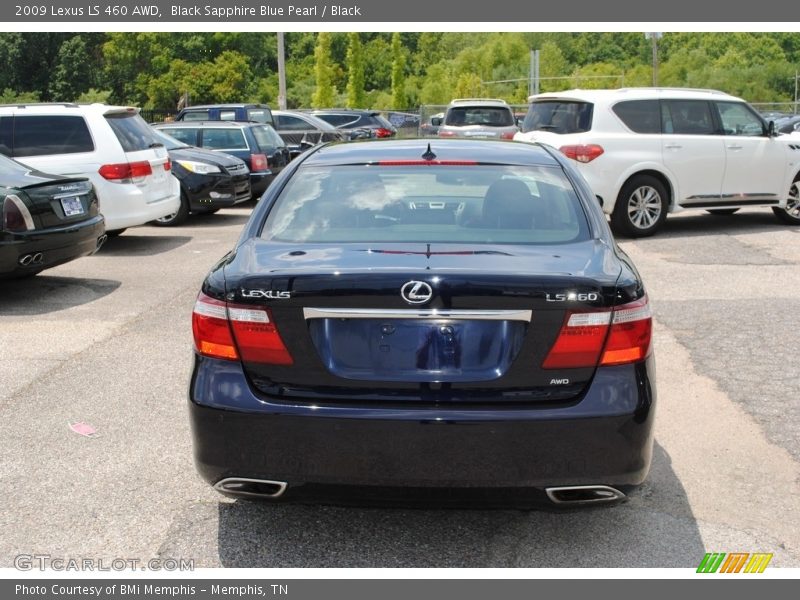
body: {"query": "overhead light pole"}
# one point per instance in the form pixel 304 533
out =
pixel 281 73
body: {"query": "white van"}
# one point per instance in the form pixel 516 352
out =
pixel 646 152
pixel 112 145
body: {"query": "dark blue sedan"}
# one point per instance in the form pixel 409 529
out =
pixel 450 321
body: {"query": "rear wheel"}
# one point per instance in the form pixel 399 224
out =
pixel 641 207
pixel 791 214
pixel 722 211
pixel 175 218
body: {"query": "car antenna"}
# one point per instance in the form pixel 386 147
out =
pixel 429 155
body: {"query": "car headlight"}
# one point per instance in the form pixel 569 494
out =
pixel 199 167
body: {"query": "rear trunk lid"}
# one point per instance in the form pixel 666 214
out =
pixel 421 322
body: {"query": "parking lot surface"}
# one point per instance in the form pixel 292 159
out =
pixel 106 341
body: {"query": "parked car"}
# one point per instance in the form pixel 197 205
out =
pixel 111 145
pixel 477 118
pixel 647 152
pixel 298 128
pixel 358 124
pixel 209 180
pixel 787 124
pixel 451 315
pixel 46 220
pixel 260 113
pixel 257 144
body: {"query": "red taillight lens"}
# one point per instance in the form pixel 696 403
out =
pixel 606 338
pixel 134 172
pixel 258 162
pixel 447 133
pixel 631 333
pixel 382 132
pixel 583 153
pixel 168 165
pixel 233 331
pixel 508 135
pixel 212 332
pixel 16 216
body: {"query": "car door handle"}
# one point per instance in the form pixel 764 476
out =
pixel 673 146
pixel 735 147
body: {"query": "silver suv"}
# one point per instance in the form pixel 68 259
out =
pixel 477 118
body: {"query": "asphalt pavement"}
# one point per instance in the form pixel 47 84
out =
pixel 105 341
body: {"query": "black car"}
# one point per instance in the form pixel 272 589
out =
pixel 257 144
pixel 787 124
pixel 300 129
pixel 47 220
pixel 358 124
pixel 210 180
pixel 450 318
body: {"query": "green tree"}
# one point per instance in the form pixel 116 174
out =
pixel 356 97
pixel 72 75
pixel 325 92
pixel 468 86
pixel 398 73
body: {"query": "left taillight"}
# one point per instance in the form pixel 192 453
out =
pixel 237 331
pixel 382 132
pixel 16 216
pixel 603 338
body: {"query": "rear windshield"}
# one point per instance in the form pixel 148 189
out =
pixel 558 116
pixel 479 115
pixel 491 204
pixel 218 138
pixel 261 115
pixel 267 137
pixel 132 131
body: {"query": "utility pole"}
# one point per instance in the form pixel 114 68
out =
pixel 653 37
pixel 533 74
pixel 281 73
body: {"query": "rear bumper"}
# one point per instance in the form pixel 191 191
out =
pixel 605 438
pixel 214 191
pixel 57 245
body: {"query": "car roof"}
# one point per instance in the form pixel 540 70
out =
pixel 66 107
pixel 227 105
pixel 642 93
pixel 209 124
pixel 482 151
pixel 308 117
pixel 346 111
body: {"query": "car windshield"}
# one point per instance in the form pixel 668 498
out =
pixel 558 116
pixel 476 204
pixel 479 115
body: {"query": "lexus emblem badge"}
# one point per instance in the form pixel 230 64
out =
pixel 416 292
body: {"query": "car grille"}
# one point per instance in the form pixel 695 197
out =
pixel 237 169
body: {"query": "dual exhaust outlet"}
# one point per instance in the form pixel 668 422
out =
pixel 28 260
pixel 572 495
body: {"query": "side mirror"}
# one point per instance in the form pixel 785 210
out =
pixel 771 129
pixel 436 121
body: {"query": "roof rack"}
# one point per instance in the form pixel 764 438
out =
pixel 673 89
pixel 27 104
pixel 477 100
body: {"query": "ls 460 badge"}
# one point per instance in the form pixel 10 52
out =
pixel 572 296
pixel 270 294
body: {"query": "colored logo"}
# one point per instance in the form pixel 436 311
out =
pixel 734 562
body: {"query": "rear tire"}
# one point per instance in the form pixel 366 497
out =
pixel 791 214
pixel 722 211
pixel 641 207
pixel 175 218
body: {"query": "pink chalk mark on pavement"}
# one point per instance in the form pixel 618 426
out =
pixel 83 429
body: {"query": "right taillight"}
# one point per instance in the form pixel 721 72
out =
pixel 583 153
pixel 258 162
pixel 589 339
pixel 237 331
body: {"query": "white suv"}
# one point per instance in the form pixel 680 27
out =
pixel 649 151
pixel 111 145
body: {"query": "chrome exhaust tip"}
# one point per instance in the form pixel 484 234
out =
pixel 26 260
pixel 576 495
pixel 38 258
pixel 101 240
pixel 251 488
